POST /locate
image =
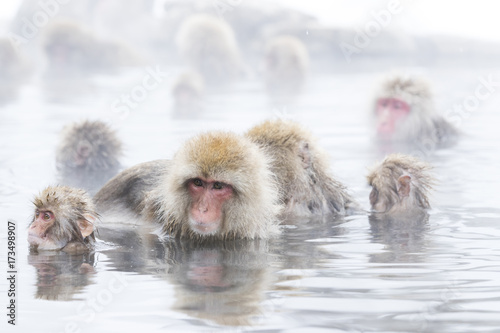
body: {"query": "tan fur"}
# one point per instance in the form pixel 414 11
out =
pixel 287 64
pixel 423 124
pixel 68 206
pixel 302 168
pixel 384 180
pixel 209 45
pixel 250 213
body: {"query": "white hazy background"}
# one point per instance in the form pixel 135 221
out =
pixel 467 18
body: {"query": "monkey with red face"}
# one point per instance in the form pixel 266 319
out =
pixel 64 219
pixel 404 112
pixel 220 185
pixel 217 186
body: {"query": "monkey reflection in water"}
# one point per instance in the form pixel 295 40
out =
pixel 399 201
pixel 61 275
pixel 224 283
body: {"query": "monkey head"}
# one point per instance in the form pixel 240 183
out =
pixel 219 186
pixel 400 184
pixel 402 105
pixel 64 218
pixel 89 145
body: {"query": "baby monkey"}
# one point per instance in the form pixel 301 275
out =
pixel 64 219
pixel 400 184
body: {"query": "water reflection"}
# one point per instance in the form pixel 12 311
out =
pixel 224 283
pixel 61 276
pixel 404 237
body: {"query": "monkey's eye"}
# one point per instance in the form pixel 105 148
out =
pixel 218 185
pixel 197 182
pixel 47 216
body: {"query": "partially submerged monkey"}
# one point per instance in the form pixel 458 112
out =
pixel 88 154
pixel 301 166
pixel 220 185
pixel 404 112
pixel 64 219
pixel 287 66
pixel 208 45
pixel 400 185
pixel 217 186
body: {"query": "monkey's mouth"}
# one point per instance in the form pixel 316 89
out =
pixel 43 243
pixel 35 239
pixel 204 228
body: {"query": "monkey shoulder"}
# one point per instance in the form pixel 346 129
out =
pixel 131 186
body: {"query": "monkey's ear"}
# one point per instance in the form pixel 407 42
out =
pixel 86 225
pixel 404 186
pixel 305 155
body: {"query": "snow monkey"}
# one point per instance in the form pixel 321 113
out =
pixel 287 64
pixel 302 169
pixel 218 186
pixel 209 46
pixel 88 154
pixel 221 185
pixel 404 112
pixel 64 219
pixel 400 184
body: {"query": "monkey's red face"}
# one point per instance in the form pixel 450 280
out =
pixel 390 112
pixel 39 230
pixel 207 201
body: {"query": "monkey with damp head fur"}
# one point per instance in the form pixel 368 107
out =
pixel 302 169
pixel 209 46
pixel 64 219
pixel 218 186
pixel 287 64
pixel 400 185
pixel 404 112
pixel 88 155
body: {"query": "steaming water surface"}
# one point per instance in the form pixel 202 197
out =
pixel 437 274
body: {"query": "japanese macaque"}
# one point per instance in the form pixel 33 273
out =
pixel 218 186
pixel 404 111
pixel 302 169
pixel 209 46
pixel 188 91
pixel 88 155
pixel 71 49
pixel 65 219
pixel 400 185
pixel 287 64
